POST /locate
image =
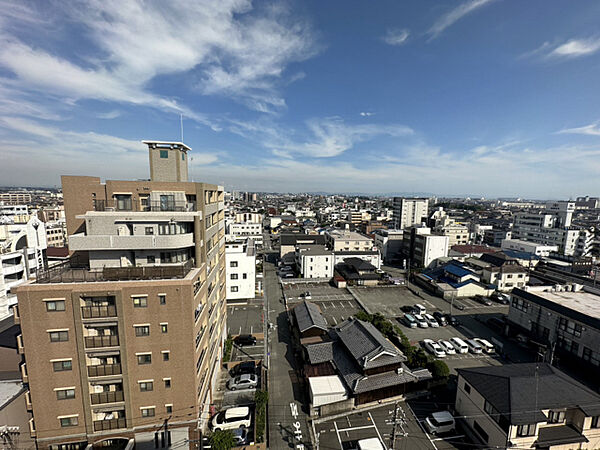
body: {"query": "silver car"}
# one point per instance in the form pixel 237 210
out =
pixel 247 381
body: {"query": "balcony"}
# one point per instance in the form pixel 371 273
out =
pixel 83 242
pixel 98 312
pixel 20 348
pixel 24 374
pixel 101 341
pixel 104 370
pixel 28 405
pixel 151 206
pixel 106 397
pixel 32 430
pixel 110 424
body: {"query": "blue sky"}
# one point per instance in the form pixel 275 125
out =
pixel 480 97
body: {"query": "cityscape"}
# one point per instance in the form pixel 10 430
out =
pixel 299 225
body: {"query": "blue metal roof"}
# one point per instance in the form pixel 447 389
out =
pixel 457 270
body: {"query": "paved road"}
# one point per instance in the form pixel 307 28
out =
pixel 287 421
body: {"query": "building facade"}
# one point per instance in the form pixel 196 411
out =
pixel 240 269
pixel 343 240
pixel 130 331
pixel 409 211
pixel 315 261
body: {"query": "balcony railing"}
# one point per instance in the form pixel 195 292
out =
pixel 104 370
pixel 154 206
pixel 106 397
pixel 101 341
pixel 94 312
pixel 111 424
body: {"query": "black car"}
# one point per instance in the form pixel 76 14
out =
pixel 441 318
pixel 451 320
pixel 483 300
pixel 245 368
pixel 245 339
pixel 407 309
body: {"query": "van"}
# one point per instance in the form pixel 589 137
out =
pixel 419 309
pixel 440 422
pixel 431 321
pixel 474 346
pixel 231 419
pixel 486 345
pixel 460 345
pixel 410 321
pixel 421 321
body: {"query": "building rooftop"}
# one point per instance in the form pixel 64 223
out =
pixel 309 316
pixel 348 235
pixel 167 144
pixel 9 389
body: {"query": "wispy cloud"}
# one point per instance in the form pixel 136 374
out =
pixel 367 113
pixel 592 129
pixel 455 15
pixel 396 37
pixel 573 48
pixel 109 114
pixel 230 48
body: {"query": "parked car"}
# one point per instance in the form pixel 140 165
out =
pixel 245 339
pixel 434 348
pixel 441 318
pixel 407 309
pixel 286 269
pixel 460 345
pixel 247 381
pixel 440 422
pixel 240 435
pixel 500 297
pixel 232 418
pixel 247 367
pixel 410 321
pixel 486 345
pixel 447 347
pixel 287 275
pixel 483 300
pixel 431 321
pixel 474 347
pixel 421 321
pixel 419 309
pixel 452 320
pixel 370 444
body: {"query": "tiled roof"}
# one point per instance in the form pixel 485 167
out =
pixel 309 316
pixel 320 353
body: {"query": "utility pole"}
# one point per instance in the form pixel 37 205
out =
pixel 398 421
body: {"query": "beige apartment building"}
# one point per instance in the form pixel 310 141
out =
pixel 124 341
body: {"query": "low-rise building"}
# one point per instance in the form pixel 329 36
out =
pixel 421 247
pixel 240 269
pixel 531 405
pixel 314 261
pixel 289 242
pixel 528 247
pixel 389 243
pixel 343 240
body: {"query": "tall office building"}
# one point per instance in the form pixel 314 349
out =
pixel 409 211
pixel 127 336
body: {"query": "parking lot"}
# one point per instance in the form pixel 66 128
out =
pixel 343 433
pixel 245 319
pixel 248 352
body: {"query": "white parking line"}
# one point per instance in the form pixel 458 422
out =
pixel 377 429
pixel 356 428
pixel 337 433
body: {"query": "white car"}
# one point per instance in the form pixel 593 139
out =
pixel 232 418
pixel 431 321
pixel 434 348
pixel 474 346
pixel 447 347
pixel 440 422
pixel 460 345
pixel 421 321
pixel 486 345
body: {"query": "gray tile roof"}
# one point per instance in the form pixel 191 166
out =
pixel 512 389
pixel 558 435
pixel 367 345
pixel 309 316
pixel 320 353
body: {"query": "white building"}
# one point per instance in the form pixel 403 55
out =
pixel 245 229
pixel 371 256
pixel 240 270
pixel 422 248
pixel 409 211
pixel 315 261
pixel 528 247
pixel 248 217
pixel 343 240
pixel 388 242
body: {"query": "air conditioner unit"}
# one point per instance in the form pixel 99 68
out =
pixel 400 370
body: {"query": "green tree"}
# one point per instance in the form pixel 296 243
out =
pixel 222 440
pixel 439 369
pixel 261 398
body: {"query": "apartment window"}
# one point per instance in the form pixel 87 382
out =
pixel 556 417
pixel 526 430
pixel 167 383
pixel 245 276
pixel 183 156
pixel 569 327
pixel 595 422
pixel 233 276
pixel 123 202
pixel 146 386
pixel 169 409
pixel 166 355
pixel 520 304
pixel 162 299
pixel 234 289
pixel 62 366
pixel 59 336
pixel 142 330
pixel 148 412
pixel 69 421
pixel 164 328
pixel 167 202
pixel 55 305
pixel 233 264
pixel 164 154
pixel 140 302
pixel 467 388
pixel 151 259
pixel 65 394
pixel 144 359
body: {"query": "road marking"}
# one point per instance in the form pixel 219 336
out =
pixel 460 436
pixel 377 429
pixel 333 304
pixel 357 428
pixel 421 426
pixel 251 329
pixel 338 435
pixel 334 321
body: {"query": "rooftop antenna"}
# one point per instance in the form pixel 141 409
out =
pixel 181 125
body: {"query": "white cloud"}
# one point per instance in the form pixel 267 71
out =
pixel 109 114
pixel 396 37
pixel 229 47
pixel 455 15
pixel 367 114
pixel 575 48
pixel 592 129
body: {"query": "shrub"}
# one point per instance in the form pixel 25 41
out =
pixel 261 398
pixel 222 440
pixel 228 349
pixel 439 369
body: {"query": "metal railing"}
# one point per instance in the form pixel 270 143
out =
pixel 104 370
pixel 93 312
pixel 106 397
pixel 154 206
pixel 101 341
pixel 111 424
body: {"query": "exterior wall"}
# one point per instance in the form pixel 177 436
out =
pixel 173 168
pixel 245 229
pixel 343 241
pixel 14 413
pixel 428 248
pixel 529 247
pixel 246 266
pixel 409 211
pixel 248 218
pixel 371 257
pixel 316 266
pixel 505 281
